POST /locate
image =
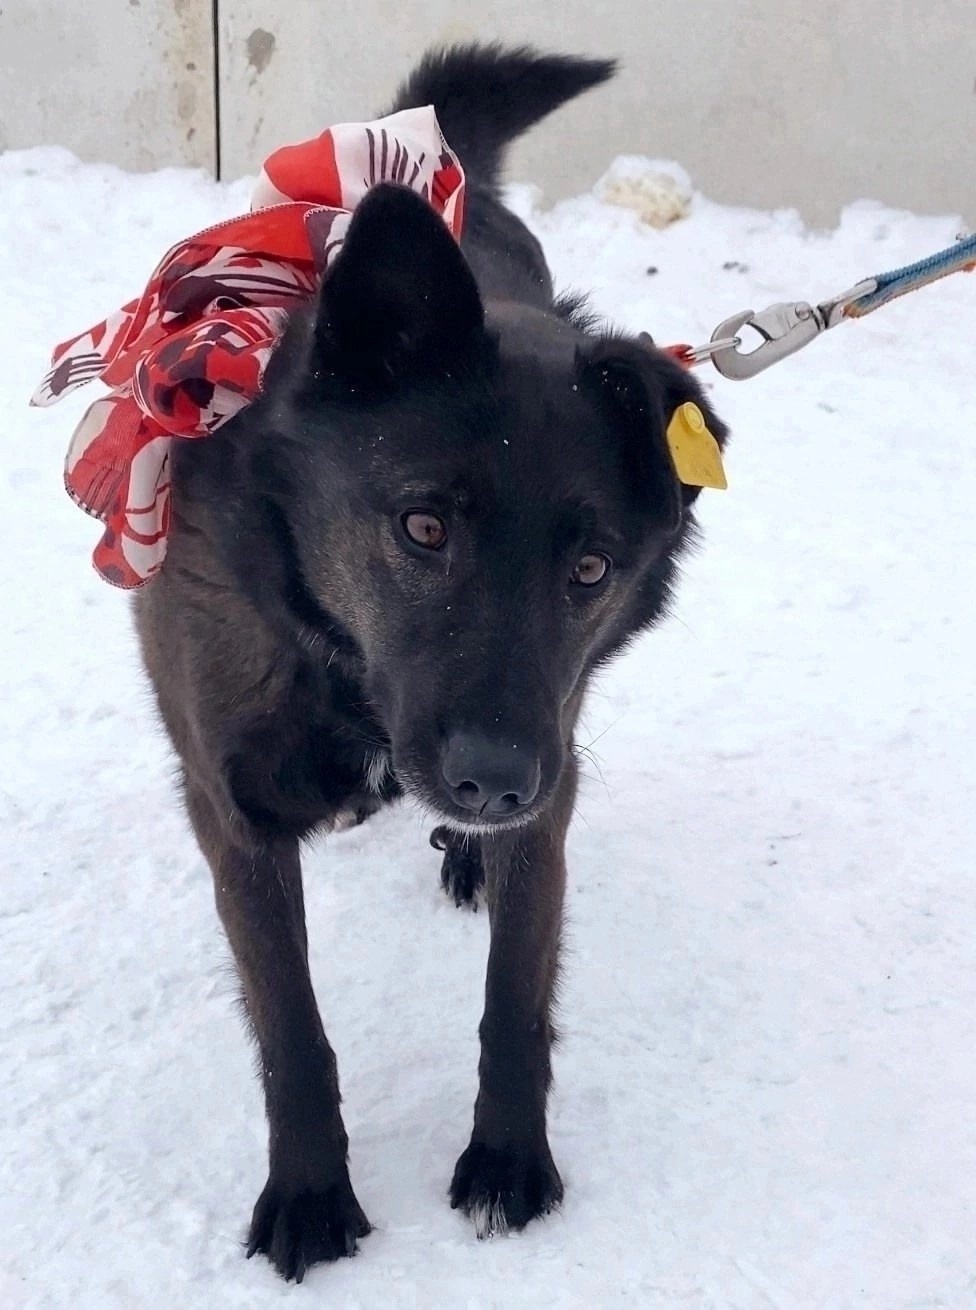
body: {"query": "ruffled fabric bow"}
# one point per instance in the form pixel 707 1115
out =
pixel 190 352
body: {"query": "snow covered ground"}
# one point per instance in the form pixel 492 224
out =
pixel 765 1094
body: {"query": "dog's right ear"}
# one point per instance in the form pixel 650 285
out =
pixel 400 299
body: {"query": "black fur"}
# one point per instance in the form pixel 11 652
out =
pixel 313 658
pixel 486 96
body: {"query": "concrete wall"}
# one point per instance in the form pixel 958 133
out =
pixel 129 81
pixel 767 102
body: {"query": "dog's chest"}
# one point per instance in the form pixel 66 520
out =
pixel 313 759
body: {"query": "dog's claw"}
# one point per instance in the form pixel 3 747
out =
pixel 462 873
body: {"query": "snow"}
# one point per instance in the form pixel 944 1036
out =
pixel 659 190
pixel 764 1093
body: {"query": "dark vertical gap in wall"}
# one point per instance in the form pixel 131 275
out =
pixel 215 26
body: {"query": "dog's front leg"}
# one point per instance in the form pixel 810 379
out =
pixel 507 1176
pixel 307 1211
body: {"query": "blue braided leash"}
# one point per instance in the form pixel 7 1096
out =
pixel 889 286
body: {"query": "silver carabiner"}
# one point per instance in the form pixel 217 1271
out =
pixel 834 311
pixel 783 329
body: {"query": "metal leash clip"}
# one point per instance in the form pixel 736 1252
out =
pixel 786 328
pixel 783 330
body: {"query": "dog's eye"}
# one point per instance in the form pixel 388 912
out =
pixel 590 570
pixel 424 529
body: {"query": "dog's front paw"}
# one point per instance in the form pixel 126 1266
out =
pixel 503 1189
pixel 300 1229
pixel 462 873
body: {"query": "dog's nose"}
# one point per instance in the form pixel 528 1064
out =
pixel 490 777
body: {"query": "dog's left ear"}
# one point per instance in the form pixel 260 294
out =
pixel 643 388
pixel 400 298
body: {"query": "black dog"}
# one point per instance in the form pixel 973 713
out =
pixel 396 573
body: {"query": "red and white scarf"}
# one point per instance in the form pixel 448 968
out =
pixel 190 352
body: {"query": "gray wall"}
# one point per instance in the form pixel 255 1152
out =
pixel 128 81
pixel 768 102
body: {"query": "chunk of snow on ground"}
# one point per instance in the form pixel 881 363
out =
pixel 659 191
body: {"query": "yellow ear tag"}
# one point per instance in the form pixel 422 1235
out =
pixel 696 455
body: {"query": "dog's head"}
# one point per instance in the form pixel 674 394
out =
pixel 476 502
